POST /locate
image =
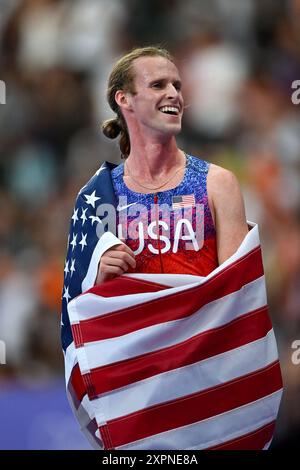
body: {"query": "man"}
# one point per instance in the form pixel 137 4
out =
pixel 145 92
pixel 178 353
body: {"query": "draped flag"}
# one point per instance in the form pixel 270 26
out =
pixel 166 361
pixel 169 361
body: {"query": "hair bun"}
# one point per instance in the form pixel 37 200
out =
pixel 111 128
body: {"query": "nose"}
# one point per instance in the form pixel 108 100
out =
pixel 172 91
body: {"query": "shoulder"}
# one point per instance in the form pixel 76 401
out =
pixel 224 193
pixel 219 174
pixel 222 181
pixel 228 204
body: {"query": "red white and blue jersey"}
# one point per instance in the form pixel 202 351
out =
pixel 170 231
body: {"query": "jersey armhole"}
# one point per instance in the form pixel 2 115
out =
pixel 210 203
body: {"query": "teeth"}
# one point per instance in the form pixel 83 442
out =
pixel 169 109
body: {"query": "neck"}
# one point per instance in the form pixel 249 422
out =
pixel 152 160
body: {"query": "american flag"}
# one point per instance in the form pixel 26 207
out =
pixel 83 242
pixel 183 201
pixel 162 361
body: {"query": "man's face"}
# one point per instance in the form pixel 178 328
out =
pixel 157 104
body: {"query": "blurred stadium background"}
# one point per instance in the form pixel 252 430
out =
pixel 238 59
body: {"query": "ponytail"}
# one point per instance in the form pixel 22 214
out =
pixel 111 128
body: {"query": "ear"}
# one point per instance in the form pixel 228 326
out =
pixel 122 99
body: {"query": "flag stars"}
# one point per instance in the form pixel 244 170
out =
pixel 75 216
pixel 83 242
pixel 73 242
pixel 91 198
pixel 66 294
pixel 83 216
pixel 72 268
pixel 66 270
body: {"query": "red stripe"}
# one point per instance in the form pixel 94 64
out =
pixel 240 331
pixel 77 383
pixel 173 306
pixel 252 441
pixel 196 407
pixel 124 285
pixel 76 332
pixel 106 439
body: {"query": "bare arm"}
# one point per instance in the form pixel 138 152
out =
pixel 227 205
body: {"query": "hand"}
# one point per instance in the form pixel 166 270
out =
pixel 114 262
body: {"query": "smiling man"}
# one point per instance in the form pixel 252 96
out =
pixel 168 212
pixel 180 353
pixel 193 214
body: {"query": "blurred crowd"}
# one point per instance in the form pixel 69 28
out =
pixel 238 60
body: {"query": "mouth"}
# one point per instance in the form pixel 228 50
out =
pixel 171 110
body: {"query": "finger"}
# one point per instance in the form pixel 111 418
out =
pixel 116 270
pixel 108 261
pixel 124 247
pixel 122 255
pixel 101 277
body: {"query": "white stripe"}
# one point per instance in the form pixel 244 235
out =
pixel 190 379
pixel 171 280
pixel 214 431
pixel 86 411
pixel 163 335
pixel 70 356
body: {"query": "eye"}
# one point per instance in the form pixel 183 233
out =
pixel 177 86
pixel 157 85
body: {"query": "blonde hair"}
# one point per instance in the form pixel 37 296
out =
pixel 122 78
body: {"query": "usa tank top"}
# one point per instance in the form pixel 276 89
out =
pixel 169 231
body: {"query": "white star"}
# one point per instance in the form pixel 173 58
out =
pixel 74 216
pixel 66 270
pixel 83 242
pixel 73 242
pixel 95 219
pixel 83 216
pixel 72 268
pixel 91 198
pixel 66 294
pixel 102 167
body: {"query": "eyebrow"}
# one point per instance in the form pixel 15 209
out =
pixel 163 80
